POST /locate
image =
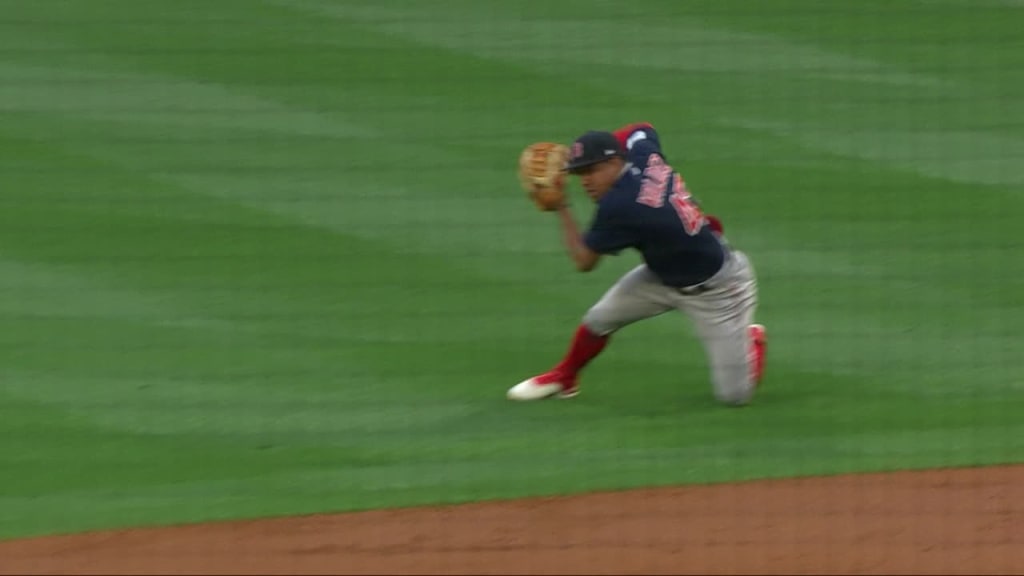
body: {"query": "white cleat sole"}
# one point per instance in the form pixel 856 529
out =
pixel 529 390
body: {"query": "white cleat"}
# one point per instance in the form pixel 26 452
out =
pixel 539 388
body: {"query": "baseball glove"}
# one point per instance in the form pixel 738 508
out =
pixel 541 173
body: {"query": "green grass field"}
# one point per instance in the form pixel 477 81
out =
pixel 264 257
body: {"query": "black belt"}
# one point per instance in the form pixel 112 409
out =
pixel 694 290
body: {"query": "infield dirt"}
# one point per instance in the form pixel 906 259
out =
pixel 962 521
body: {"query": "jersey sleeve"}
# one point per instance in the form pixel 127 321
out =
pixel 609 233
pixel 639 140
pixel 630 133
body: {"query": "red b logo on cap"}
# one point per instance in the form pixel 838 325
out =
pixel 577 150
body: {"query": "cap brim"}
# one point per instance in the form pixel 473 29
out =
pixel 575 167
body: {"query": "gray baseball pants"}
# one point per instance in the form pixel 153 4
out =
pixel 721 315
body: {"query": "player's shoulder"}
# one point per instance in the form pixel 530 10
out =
pixel 641 143
pixel 634 132
pixel 620 201
pixel 638 136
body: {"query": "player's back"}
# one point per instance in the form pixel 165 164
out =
pixel 668 226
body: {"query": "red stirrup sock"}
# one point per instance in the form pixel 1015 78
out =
pixel 585 346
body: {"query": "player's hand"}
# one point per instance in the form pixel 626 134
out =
pixel 558 189
pixel 550 198
pixel 542 176
pixel 716 224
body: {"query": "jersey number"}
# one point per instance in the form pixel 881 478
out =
pixel 682 201
pixel 653 190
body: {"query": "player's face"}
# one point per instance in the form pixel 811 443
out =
pixel 599 178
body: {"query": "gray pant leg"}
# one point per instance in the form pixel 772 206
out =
pixel 722 316
pixel 636 296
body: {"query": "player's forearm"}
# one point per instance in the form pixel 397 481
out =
pixel 584 259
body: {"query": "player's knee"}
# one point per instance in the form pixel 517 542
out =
pixel 737 395
pixel 601 320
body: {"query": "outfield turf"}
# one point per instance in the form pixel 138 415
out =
pixel 270 256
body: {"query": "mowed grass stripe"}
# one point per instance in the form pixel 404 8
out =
pixel 361 358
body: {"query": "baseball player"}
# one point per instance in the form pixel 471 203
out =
pixel 688 265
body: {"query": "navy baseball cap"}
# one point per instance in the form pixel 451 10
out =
pixel 593 147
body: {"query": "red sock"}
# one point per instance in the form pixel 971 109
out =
pixel 585 346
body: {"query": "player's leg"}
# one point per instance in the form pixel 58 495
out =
pixel 723 319
pixel 637 295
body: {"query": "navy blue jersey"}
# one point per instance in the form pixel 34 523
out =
pixel 650 209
